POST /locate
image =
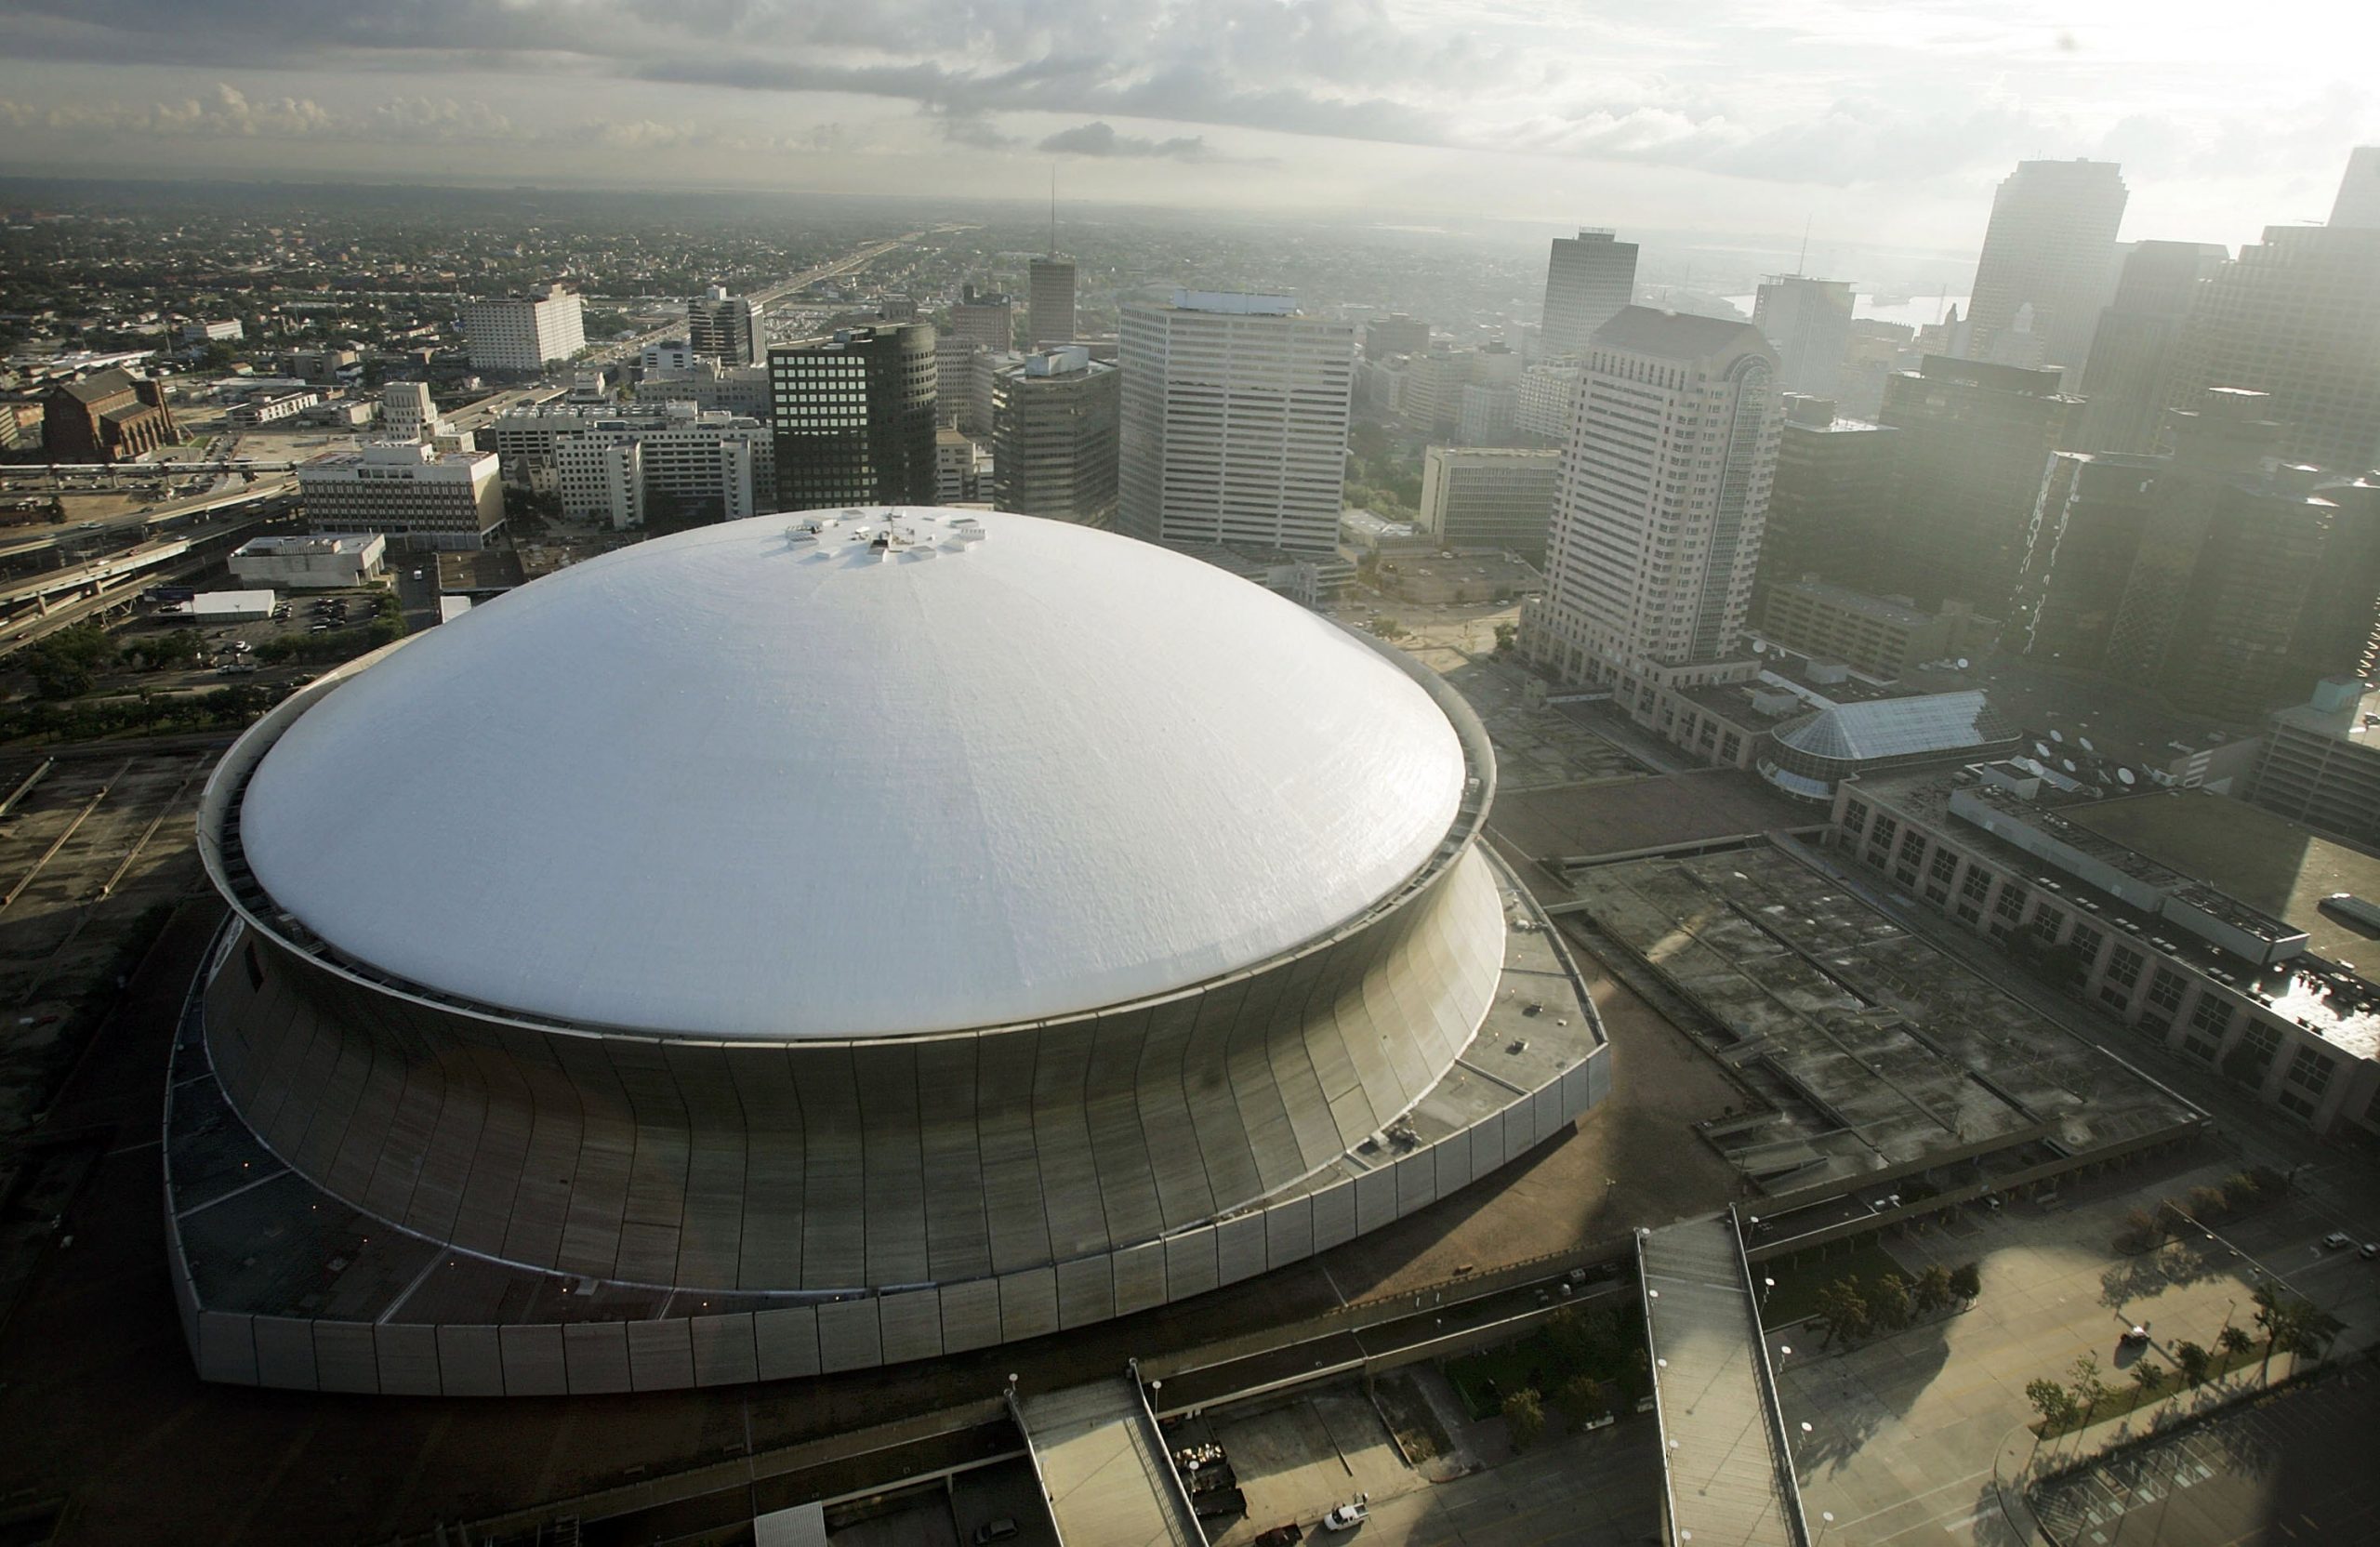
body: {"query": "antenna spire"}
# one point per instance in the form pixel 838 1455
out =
pixel 1054 209
pixel 1801 263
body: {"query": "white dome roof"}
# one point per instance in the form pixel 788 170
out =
pixel 727 784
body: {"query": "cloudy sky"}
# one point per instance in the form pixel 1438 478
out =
pixel 1883 121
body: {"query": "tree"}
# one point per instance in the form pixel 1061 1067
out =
pixel 1507 635
pixel 2193 1361
pixel 1524 1418
pixel 2089 1390
pixel 1966 1280
pixel 1388 628
pixel 1888 1303
pixel 1843 1309
pixel 1931 1290
pixel 2052 1401
pixel 2241 1189
pixel 1584 1399
pixel 2148 1378
pixel 2234 1341
pixel 65 665
pixel 2208 1202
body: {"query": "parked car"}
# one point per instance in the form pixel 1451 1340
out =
pixel 1002 1529
pixel 1347 1517
pixel 2337 1240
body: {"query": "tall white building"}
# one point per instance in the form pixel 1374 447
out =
pixel 682 468
pixel 525 333
pixel 726 328
pixel 1233 423
pixel 407 410
pixel 1663 494
pixel 1588 278
pixel 1808 323
pixel 2358 205
pixel 1542 400
pixel 2051 247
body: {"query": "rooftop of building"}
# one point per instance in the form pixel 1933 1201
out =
pixel 1899 610
pixel 2356 717
pixel 1578 824
pixel 1785 689
pixel 1549 456
pixel 479 571
pixel 320 542
pixel 2236 883
pixel 1676 334
pixel 2099 716
pixel 1902 727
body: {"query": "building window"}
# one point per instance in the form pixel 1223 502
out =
pixel 2085 943
pixel 2254 1055
pixel 2010 903
pixel 2310 1070
pixel 2165 989
pixel 1945 863
pixel 2212 1016
pixel 2124 965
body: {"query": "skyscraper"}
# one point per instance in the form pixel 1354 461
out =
pixel 2051 247
pixel 2124 382
pixel 1053 437
pixel 726 328
pixel 2298 317
pixel 984 319
pixel 1808 322
pixel 2358 205
pixel 2224 580
pixel 1588 278
pixel 855 418
pixel 1049 302
pixel 1831 508
pixel 525 333
pixel 1974 442
pixel 1663 490
pixel 1234 425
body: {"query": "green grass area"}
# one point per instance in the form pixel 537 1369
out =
pixel 2124 1396
pixel 1602 1345
pixel 1799 1280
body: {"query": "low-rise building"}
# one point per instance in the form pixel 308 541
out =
pixel 204 332
pixel 523 333
pixel 273 407
pixel 407 491
pixel 2187 917
pixel 2321 761
pixel 1482 497
pixel 407 410
pixel 110 415
pixel 211 607
pixel 320 562
pixel 1884 637
pixel 679 468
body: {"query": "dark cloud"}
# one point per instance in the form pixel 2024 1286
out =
pixel 1101 139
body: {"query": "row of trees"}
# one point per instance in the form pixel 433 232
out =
pixel 2238 1194
pixel 1852 1308
pixel 1594 1364
pixel 2291 1325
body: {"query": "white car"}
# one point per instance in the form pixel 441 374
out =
pixel 1347 1517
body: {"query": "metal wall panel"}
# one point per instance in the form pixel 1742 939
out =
pixel 345 1357
pixel 1239 1248
pixel 1375 1200
pixel 470 1361
pixel 284 1353
pixel 408 1356
pixel 532 1361
pixel 1140 1278
pixel 912 1325
pixel 787 1340
pixel 661 1355
pixel 1334 1216
pixel 1189 1264
pixel 970 1314
pixel 1289 1232
pixel 850 1335
pixel 725 1353
pixel 1028 1303
pixel 1417 1181
pixel 1086 1291
pixel 226 1348
pixel 596 1355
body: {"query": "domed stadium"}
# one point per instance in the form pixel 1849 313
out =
pixel 822 941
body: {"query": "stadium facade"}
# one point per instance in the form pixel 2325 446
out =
pixel 812 943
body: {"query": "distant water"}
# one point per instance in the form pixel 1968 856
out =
pixel 1917 311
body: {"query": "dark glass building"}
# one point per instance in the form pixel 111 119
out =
pixel 854 418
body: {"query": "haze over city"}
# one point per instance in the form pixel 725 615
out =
pixel 1459 774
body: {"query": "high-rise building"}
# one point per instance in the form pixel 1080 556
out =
pixel 2217 576
pixel 1542 400
pixel 1234 422
pixel 681 468
pixel 2321 761
pixel 1974 442
pixel 1808 320
pixel 1395 334
pixel 1830 509
pixel 1048 302
pixel 525 333
pixel 407 490
pixel 406 409
pixel 2051 247
pixel 2124 382
pixel 1588 279
pixel 1473 497
pixel 1664 487
pixel 1054 437
pixel 984 319
pixel 726 328
pixel 2298 317
pixel 854 418
pixel 954 366
pixel 2358 205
